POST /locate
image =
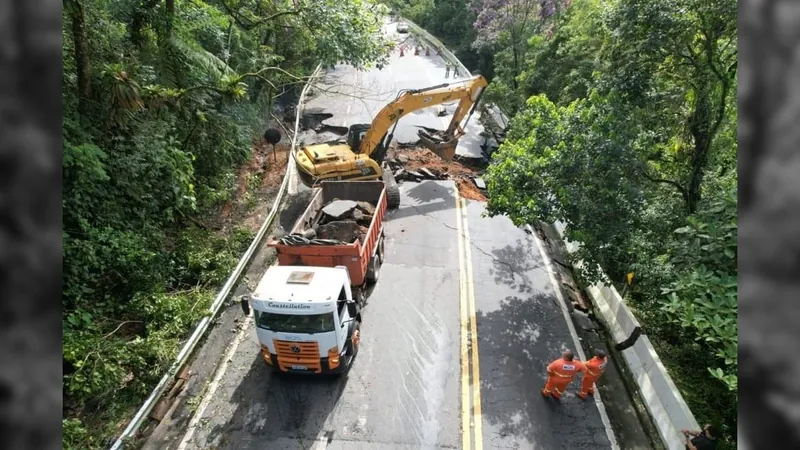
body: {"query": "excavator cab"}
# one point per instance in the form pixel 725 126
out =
pixel 355 134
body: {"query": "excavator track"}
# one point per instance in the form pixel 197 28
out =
pixel 392 188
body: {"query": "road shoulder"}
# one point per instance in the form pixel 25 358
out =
pixel 627 413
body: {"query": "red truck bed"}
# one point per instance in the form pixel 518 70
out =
pixel 356 256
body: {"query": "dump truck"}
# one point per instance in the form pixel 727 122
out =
pixel 307 309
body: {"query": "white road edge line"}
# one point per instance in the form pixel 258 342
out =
pixel 212 388
pixel 564 310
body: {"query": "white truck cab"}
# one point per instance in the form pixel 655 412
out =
pixel 306 319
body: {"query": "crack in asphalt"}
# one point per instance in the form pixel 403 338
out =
pixel 472 244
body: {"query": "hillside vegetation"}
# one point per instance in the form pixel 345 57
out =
pixel 162 102
pixel 624 128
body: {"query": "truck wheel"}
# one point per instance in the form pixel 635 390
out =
pixel 359 296
pixel 381 256
pixel 352 349
pixel 373 270
pixel 355 341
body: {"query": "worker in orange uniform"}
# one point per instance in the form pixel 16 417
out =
pixel 594 369
pixel 560 373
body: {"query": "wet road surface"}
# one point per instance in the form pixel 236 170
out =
pixel 404 389
pixel 521 329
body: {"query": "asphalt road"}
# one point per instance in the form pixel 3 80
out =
pixel 521 329
pixel 405 388
pixel 455 340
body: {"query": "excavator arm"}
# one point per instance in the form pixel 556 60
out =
pixel 467 92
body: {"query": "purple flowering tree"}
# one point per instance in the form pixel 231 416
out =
pixel 508 24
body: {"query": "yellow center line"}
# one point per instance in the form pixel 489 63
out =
pixel 466 430
pixel 471 419
pixel 476 367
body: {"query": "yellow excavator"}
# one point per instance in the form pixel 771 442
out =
pixel 360 156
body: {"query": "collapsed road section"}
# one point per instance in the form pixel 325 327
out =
pixel 419 163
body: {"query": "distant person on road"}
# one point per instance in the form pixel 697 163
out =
pixel 560 373
pixel 447 70
pixel 701 440
pixel 455 70
pixel 594 369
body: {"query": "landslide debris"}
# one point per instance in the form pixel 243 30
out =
pixel 419 163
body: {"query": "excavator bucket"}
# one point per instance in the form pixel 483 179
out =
pixel 438 142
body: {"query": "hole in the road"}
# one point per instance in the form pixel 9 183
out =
pixel 341 131
pixel 314 120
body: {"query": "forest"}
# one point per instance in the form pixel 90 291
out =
pixel 624 128
pixel 162 102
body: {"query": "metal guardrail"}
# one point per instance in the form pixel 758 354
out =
pixel 198 333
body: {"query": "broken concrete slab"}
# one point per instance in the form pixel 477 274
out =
pixel 340 230
pixel 402 159
pixel 428 174
pixel 365 220
pixel 583 320
pixel 366 207
pixel 479 183
pixel 338 209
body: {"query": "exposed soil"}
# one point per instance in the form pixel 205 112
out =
pixel 268 168
pixel 460 172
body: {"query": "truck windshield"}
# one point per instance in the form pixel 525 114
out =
pixel 294 323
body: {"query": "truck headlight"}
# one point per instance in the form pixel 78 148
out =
pixel 266 354
pixel 333 357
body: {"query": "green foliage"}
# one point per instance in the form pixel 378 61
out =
pixel 624 129
pixel 75 435
pixel 709 400
pixel 703 295
pixel 569 164
pixel 563 66
pixel 160 110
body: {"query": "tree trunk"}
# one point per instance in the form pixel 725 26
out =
pixel 700 128
pixel 83 58
pixel 170 16
pixel 516 65
pixel 141 17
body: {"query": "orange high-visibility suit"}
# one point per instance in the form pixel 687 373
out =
pixel 594 369
pixel 559 374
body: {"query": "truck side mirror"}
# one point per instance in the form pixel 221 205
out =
pixel 352 311
pixel 245 302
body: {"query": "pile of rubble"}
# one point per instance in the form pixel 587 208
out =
pixel 421 164
pixel 338 222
